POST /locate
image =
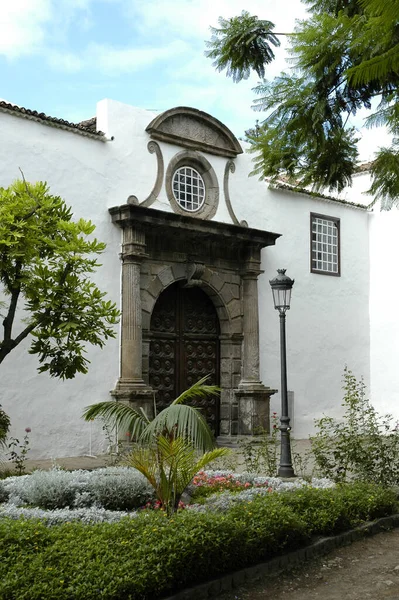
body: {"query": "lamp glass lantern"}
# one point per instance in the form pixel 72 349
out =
pixel 281 289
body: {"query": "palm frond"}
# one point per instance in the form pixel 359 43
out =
pixel 375 8
pixel 376 68
pixel 145 461
pixel 119 415
pixel 198 390
pixel 180 420
pixel 209 457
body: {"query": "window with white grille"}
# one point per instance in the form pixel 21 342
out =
pixel 325 242
pixel 188 189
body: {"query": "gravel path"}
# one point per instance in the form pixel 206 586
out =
pixel 366 569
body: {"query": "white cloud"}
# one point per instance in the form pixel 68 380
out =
pixel 65 61
pixel 114 61
pixel 22 26
pixel 371 140
pixel 192 18
pixel 118 60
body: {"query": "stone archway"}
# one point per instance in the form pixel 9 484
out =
pixel 184 347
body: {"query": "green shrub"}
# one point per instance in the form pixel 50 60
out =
pixel 329 511
pixel 261 454
pixel 362 446
pixel 151 556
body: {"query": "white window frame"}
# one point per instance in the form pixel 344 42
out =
pixel 188 188
pixel 325 245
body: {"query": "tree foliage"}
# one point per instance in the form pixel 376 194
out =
pixel 241 44
pixel 46 259
pixel 345 54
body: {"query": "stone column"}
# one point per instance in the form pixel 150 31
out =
pixel 131 386
pixel 253 397
pixel 250 371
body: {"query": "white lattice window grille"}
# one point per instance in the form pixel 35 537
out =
pixel 325 245
pixel 188 188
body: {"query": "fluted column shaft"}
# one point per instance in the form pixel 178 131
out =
pixel 251 373
pixel 131 335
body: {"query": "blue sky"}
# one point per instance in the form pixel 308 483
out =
pixel 62 56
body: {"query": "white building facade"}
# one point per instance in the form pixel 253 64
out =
pixel 192 242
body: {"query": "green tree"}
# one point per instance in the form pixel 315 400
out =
pixel 345 54
pixel 45 263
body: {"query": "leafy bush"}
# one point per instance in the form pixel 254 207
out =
pixel 261 454
pixel 330 511
pixel 363 445
pixel 151 556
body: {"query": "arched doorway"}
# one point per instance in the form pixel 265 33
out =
pixel 184 347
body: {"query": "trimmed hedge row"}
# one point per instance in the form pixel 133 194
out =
pixel 152 556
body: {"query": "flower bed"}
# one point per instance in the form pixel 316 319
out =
pixel 110 494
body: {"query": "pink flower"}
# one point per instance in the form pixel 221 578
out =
pixel 28 429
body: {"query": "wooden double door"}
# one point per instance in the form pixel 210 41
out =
pixel 184 347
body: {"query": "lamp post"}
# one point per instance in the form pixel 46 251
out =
pixel 281 288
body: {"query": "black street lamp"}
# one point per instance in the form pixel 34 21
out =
pixel 281 288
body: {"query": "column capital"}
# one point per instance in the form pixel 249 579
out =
pixel 133 244
pixel 250 271
pixel 132 255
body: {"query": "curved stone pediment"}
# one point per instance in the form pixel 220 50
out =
pixel 194 129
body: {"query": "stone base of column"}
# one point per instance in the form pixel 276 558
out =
pixel 253 408
pixel 136 393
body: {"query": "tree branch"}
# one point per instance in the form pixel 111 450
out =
pixel 7 346
pixel 15 291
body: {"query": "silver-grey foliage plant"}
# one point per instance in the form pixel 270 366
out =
pixel 112 488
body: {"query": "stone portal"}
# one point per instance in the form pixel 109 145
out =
pixel 189 308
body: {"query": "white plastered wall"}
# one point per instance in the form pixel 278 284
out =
pixel 74 168
pixel 384 294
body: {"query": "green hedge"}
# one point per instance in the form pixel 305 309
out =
pixel 151 556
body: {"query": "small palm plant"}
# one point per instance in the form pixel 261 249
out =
pixel 169 465
pixel 172 447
